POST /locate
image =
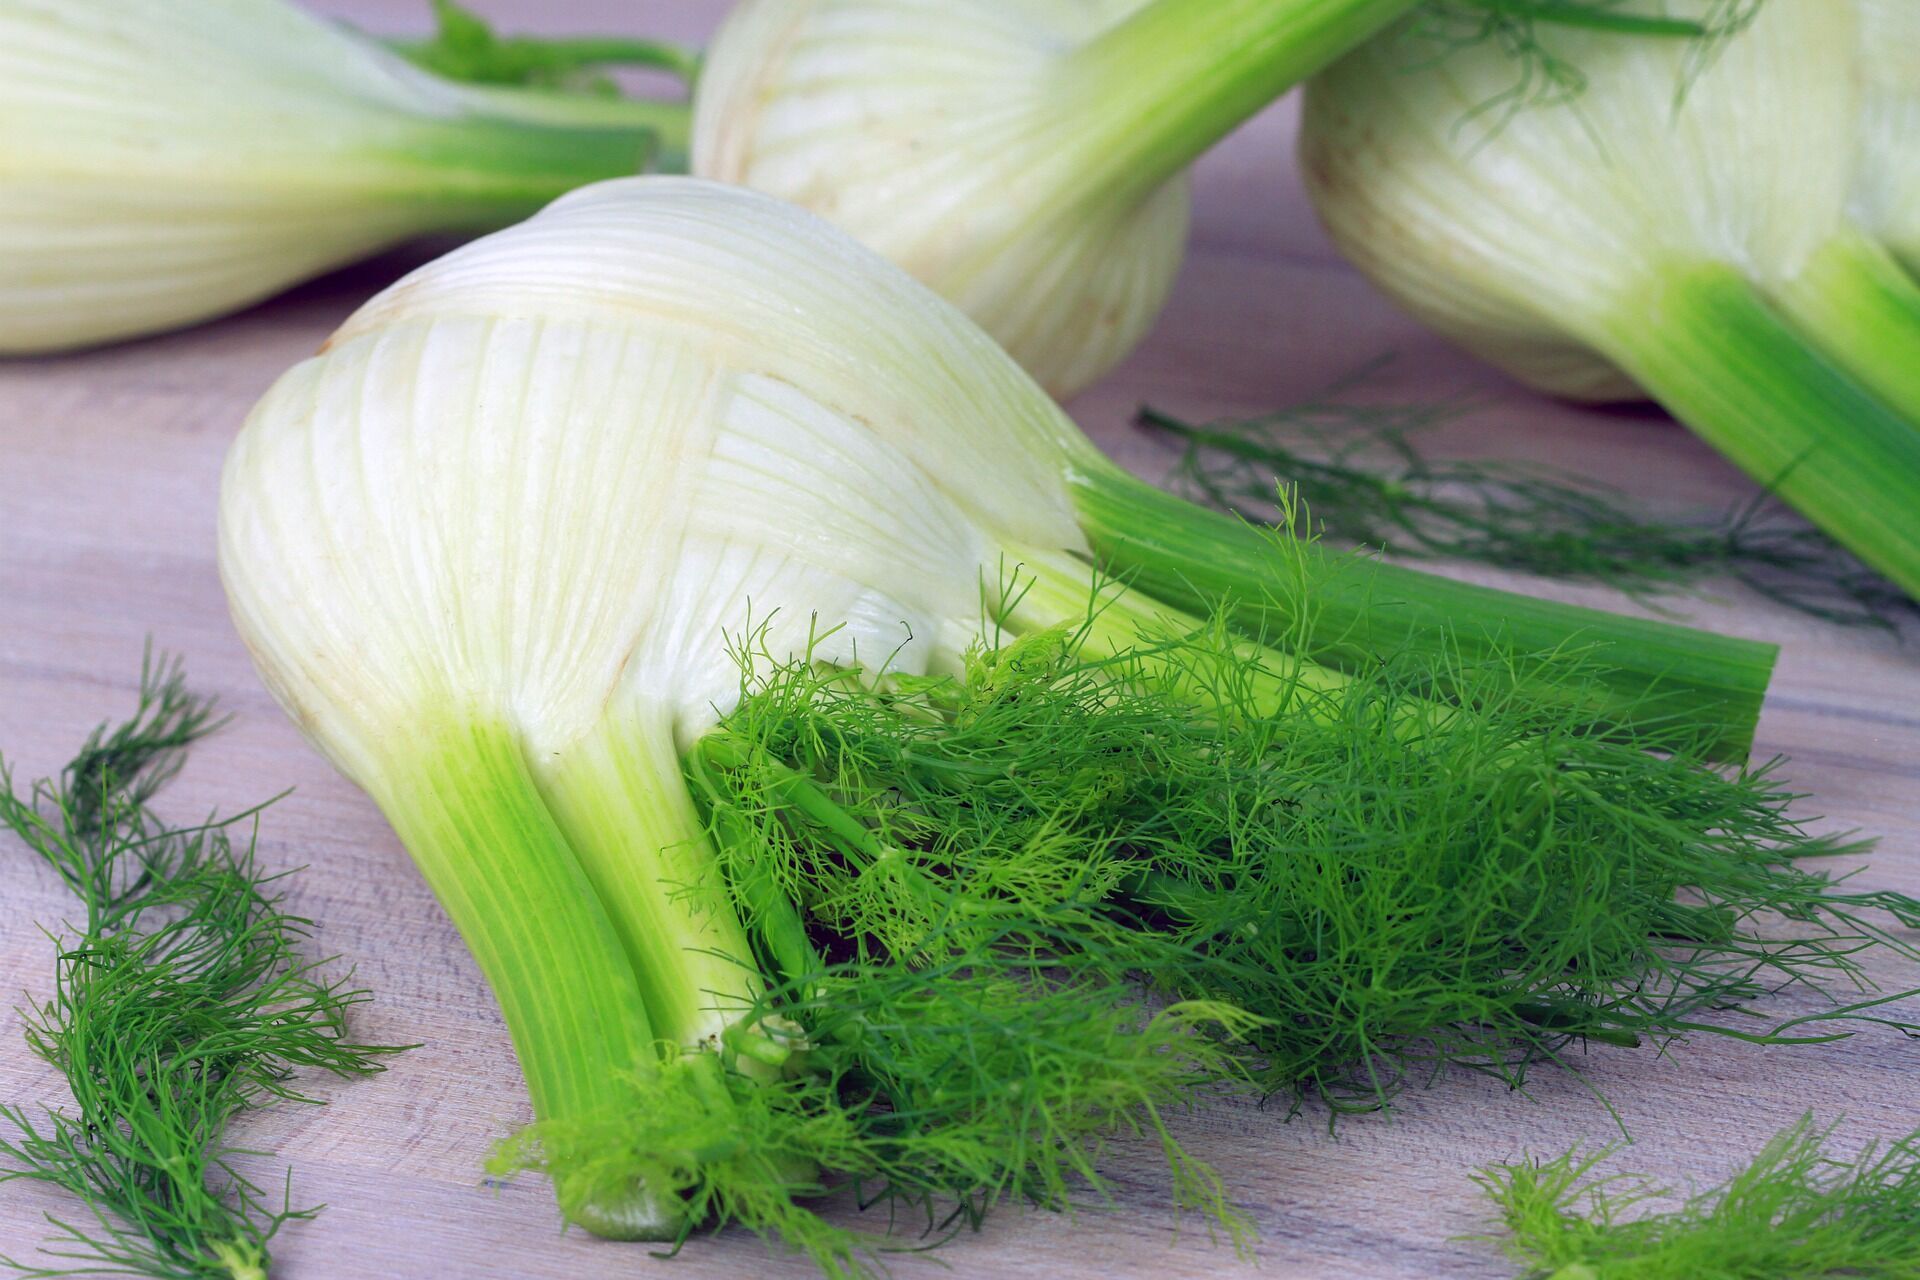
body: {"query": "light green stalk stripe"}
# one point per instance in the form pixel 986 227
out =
pixel 666 126
pixel 1346 612
pixel 1706 345
pixel 467 809
pixel 1860 307
pixel 516 152
pixel 1179 75
pixel 620 796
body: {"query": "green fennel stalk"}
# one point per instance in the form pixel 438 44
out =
pixel 567 75
pixel 1363 611
pixel 172 162
pixel 1027 159
pixel 182 999
pixel 464 47
pixel 493 854
pixel 1708 345
pixel 1864 308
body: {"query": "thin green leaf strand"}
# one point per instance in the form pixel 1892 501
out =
pixel 1360 468
pixel 1523 30
pixel 464 47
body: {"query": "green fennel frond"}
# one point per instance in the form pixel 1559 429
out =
pixel 1359 465
pixel 1383 884
pixel 940 1091
pixel 1796 1212
pixel 1014 913
pixel 182 999
pixel 464 47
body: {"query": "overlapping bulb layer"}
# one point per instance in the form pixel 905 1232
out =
pixel 562 462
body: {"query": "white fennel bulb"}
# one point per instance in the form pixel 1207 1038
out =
pixel 673 406
pixel 1026 159
pixel 488 547
pixel 164 161
pixel 1688 227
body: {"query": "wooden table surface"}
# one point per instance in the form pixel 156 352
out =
pixel 108 468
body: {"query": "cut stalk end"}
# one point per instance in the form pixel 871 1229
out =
pixel 628 1214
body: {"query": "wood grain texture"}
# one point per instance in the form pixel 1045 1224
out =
pixel 107 484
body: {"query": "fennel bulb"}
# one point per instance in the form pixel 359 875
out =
pixel 165 161
pixel 498 548
pixel 1720 253
pixel 527 490
pixel 1026 160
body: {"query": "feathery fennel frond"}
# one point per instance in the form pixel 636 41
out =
pixel 182 999
pixel 465 47
pixel 1357 462
pixel 1012 913
pixel 1294 853
pixel 1798 1211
